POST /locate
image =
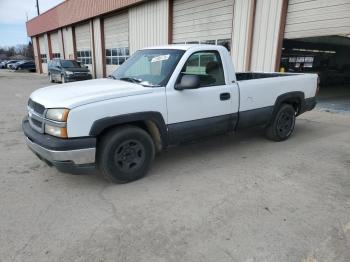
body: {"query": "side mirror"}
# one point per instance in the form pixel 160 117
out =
pixel 188 82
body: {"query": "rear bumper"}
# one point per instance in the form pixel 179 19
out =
pixel 68 155
pixel 309 104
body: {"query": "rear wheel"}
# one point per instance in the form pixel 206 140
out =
pixel 283 124
pixel 125 154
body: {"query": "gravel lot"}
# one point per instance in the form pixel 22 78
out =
pixel 232 198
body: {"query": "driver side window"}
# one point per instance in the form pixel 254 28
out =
pixel 208 66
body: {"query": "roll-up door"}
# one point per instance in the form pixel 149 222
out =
pixel 43 53
pixel 83 44
pixel 203 21
pixel 55 45
pixel 317 18
pixel 116 32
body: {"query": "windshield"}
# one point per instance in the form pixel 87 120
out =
pixel 151 67
pixel 69 63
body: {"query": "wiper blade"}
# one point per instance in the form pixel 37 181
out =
pixel 130 79
pixel 112 76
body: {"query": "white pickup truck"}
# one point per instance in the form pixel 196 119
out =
pixel 160 96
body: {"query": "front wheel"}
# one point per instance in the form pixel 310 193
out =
pixel 283 124
pixel 125 154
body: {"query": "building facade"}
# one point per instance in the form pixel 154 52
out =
pixel 103 34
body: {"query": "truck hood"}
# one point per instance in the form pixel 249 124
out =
pixel 75 94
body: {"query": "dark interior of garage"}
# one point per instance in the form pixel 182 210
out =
pixel 329 57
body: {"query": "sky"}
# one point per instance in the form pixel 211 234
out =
pixel 13 15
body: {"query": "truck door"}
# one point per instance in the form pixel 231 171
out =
pixel 208 110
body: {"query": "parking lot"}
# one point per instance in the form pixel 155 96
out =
pixel 232 198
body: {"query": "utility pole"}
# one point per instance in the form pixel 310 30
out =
pixel 37 7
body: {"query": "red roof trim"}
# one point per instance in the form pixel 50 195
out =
pixel 74 11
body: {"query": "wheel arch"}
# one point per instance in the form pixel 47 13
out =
pixel 295 99
pixel 152 122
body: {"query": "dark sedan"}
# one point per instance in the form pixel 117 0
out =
pixel 63 71
pixel 25 65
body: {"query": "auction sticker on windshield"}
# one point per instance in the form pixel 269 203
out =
pixel 160 58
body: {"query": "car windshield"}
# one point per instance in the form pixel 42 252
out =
pixel 69 63
pixel 150 67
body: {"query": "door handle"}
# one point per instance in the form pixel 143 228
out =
pixel 225 96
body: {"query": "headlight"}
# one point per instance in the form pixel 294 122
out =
pixel 69 73
pixel 56 131
pixel 57 114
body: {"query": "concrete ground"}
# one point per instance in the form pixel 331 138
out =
pixel 232 198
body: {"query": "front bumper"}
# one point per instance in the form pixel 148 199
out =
pixel 73 78
pixel 74 155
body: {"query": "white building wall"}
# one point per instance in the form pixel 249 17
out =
pixel 116 31
pixel 98 47
pixel 148 24
pixel 60 43
pixel 44 49
pixel 266 33
pixel 36 55
pixel 201 20
pixel 317 18
pixel 241 33
pixel 68 42
pixel 55 43
pixel 84 41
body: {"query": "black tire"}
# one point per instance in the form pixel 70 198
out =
pixel 125 154
pixel 282 126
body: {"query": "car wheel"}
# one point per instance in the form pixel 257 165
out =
pixel 125 154
pixel 283 124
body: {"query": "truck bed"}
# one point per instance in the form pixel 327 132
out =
pixel 251 75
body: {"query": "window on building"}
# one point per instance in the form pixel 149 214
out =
pixel 56 55
pixel 224 42
pixel 43 58
pixel 117 56
pixel 84 57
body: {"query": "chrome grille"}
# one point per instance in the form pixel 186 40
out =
pixel 37 108
pixel 36 114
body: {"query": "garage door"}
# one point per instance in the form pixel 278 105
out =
pixel 317 18
pixel 116 30
pixel 55 45
pixel 202 21
pixel 83 44
pixel 43 53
